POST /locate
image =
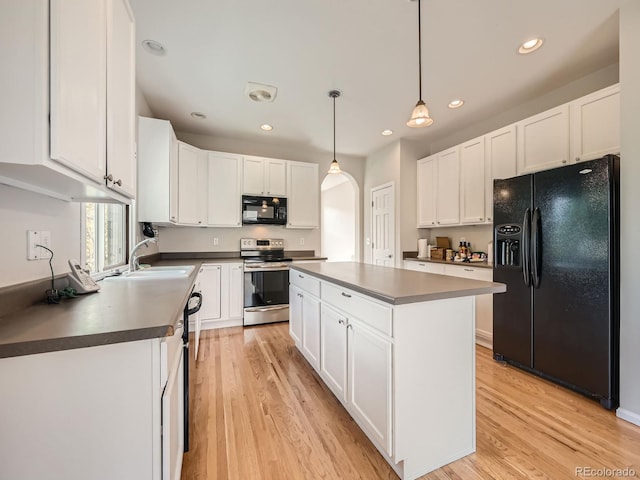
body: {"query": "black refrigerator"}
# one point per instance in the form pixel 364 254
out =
pixel 556 248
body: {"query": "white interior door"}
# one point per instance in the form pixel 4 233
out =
pixel 383 225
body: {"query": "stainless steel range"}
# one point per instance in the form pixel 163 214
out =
pixel 266 280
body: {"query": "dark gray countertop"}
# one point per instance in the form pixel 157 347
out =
pixel 122 311
pixel 395 285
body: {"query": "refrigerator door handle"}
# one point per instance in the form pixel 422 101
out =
pixel 536 251
pixel 526 247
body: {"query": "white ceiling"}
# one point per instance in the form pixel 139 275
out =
pixel 368 50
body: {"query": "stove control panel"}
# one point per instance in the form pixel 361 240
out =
pixel 261 244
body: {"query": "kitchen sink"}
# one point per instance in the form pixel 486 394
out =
pixel 157 273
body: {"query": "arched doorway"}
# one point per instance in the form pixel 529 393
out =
pixel 340 217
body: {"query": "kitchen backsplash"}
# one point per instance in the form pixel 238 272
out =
pixel 194 239
pixel 478 235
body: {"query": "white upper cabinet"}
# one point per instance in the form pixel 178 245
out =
pixel 595 124
pixel 192 187
pixel 543 140
pixel 303 192
pixel 121 98
pixel 224 190
pixel 264 176
pixel 79 85
pixel 448 187
pixel 472 181
pixel 67 117
pixel 500 161
pixel 158 171
pixel 427 168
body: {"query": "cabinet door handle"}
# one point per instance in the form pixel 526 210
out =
pixel 480 218
pixel 346 295
pixel 564 161
pixel 350 326
pixel 422 264
pixel 301 276
pixel 341 322
pixel 108 178
pixel 577 159
pixel 118 182
pixel 469 270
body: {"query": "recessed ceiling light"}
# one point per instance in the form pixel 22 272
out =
pixel 456 103
pixel 266 127
pixel 154 48
pixel 386 133
pixel 530 46
pixel 198 115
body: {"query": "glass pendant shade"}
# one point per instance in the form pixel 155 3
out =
pixel 420 116
pixel 335 167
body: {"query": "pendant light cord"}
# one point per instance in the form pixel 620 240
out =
pixel 419 52
pixel 334 127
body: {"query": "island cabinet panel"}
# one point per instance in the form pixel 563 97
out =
pixel 333 351
pixel 311 329
pixel 295 315
pixel 370 381
pixel 433 384
pixel 405 372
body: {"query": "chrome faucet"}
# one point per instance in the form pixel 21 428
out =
pixel 134 264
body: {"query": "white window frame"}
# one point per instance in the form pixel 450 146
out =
pixel 99 254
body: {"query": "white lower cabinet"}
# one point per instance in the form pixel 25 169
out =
pixel 333 351
pixel 173 421
pixel 111 412
pixel 304 323
pixel 427 267
pixel 369 381
pixel 222 287
pixel 295 315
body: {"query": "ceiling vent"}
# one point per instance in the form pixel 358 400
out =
pixel 260 93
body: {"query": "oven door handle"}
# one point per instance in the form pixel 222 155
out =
pixel 266 309
pixel 196 309
pixel 262 269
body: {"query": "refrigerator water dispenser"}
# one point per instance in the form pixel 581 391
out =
pixel 507 243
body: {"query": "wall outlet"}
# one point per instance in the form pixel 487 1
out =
pixel 38 238
pixel 215 241
pixel 301 240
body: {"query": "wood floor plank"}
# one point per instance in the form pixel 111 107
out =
pixel 260 412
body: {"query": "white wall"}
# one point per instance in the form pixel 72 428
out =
pixel 382 166
pixel 629 201
pixel 338 221
pixel 21 211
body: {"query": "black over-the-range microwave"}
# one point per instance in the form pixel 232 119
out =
pixel 264 210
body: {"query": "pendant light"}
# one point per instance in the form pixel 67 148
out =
pixel 420 115
pixel 335 167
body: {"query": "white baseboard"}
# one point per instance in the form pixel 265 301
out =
pixel 628 415
pixel 484 338
pixel 213 324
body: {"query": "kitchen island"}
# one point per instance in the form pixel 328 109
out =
pixel 397 349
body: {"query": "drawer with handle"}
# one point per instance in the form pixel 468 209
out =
pixel 376 315
pixel 305 282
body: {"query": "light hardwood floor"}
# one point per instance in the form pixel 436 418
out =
pixel 259 411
